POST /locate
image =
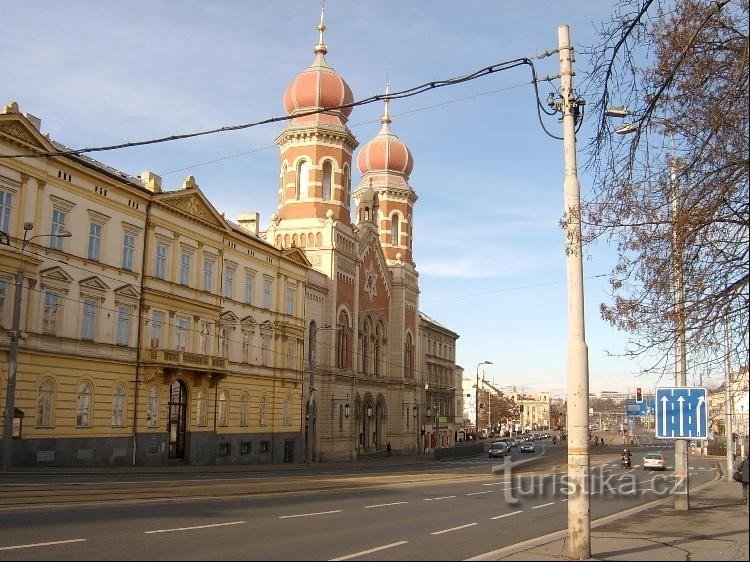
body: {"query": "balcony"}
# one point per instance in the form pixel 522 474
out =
pixel 185 360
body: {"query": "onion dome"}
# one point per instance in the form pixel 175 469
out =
pixel 386 152
pixel 318 86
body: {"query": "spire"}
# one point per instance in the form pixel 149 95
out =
pixel 320 48
pixel 386 118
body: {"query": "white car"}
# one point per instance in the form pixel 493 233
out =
pixel 654 461
pixel 527 447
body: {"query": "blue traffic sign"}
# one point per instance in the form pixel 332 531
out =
pixel 681 413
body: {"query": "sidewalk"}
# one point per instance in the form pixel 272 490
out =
pixel 715 528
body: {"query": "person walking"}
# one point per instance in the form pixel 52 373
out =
pixel 743 471
pixel 388 448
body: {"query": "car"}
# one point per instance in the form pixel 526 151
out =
pixel 654 461
pixel 527 447
pixel 497 450
pixel 519 441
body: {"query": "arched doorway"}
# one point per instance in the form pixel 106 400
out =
pixel 177 419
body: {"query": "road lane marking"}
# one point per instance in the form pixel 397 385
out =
pixel 439 498
pixel 309 514
pixel 477 493
pixel 543 505
pixel 454 529
pixel 370 551
pixel 384 504
pixel 507 514
pixel 496 484
pixel 36 544
pixel 193 528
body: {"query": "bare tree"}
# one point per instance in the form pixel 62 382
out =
pixel 673 196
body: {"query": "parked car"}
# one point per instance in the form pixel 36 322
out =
pixel 654 461
pixel 497 450
pixel 527 447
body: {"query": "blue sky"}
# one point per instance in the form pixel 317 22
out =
pixel 487 242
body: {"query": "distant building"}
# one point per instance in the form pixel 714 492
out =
pixel 536 409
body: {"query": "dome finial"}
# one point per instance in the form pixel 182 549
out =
pixel 321 48
pixel 386 118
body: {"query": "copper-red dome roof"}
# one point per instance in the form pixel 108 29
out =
pixel 386 152
pixel 317 87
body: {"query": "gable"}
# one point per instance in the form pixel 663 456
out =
pixel 93 283
pixel 191 201
pixel 55 273
pixel 127 291
pixel 229 316
pixel 18 130
pixel 297 256
pixel 372 264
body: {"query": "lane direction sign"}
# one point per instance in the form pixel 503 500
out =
pixel 681 413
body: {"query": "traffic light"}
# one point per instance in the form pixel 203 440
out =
pixel 638 395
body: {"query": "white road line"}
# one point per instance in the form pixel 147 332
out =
pixel 36 544
pixel 507 514
pixel 193 528
pixel 370 551
pixel 566 499
pixel 440 498
pixel 454 529
pixel 477 493
pixel 496 484
pixel 309 514
pixel 543 505
pixel 383 504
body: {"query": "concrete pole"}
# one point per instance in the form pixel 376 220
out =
pixel 578 543
pixel 682 488
pixel 727 404
pixel 10 389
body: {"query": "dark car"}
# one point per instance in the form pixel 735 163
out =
pixel 498 450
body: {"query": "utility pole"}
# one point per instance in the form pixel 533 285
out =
pixel 727 403
pixel 578 543
pixel 682 488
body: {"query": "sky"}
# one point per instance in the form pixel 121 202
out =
pixel 487 240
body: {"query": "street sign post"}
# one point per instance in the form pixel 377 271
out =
pixel 681 413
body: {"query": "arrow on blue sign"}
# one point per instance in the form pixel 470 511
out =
pixel 681 412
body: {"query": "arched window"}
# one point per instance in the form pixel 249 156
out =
pixel 327 175
pixel 200 407
pixel 303 179
pixel 152 411
pixel 243 409
pixel 281 183
pixel 263 413
pixel 45 403
pixel 223 413
pixel 408 362
pixel 347 185
pixel 287 411
pixel 378 350
pixel 394 230
pixel 342 331
pixel 365 348
pixel 118 406
pixel 83 405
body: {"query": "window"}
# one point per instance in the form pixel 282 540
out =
pixel 88 321
pixel 83 405
pixel 327 175
pixel 181 331
pixel 246 347
pixel 201 408
pixel 394 230
pixel 45 401
pixel 58 225
pixel 152 410
pixel 408 364
pixel 263 412
pixel 6 202
pixel 160 261
pixel 281 184
pixel 208 275
pixel 157 328
pixel 378 350
pixel 185 268
pixel 206 338
pixel 51 312
pixel 128 251
pixel 287 411
pixel 265 350
pixel 243 409
pixel 224 343
pixel 347 184
pixel 95 241
pixel 118 406
pixel 267 294
pixel 3 295
pixel 123 325
pixel 342 329
pixel 303 179
pixel 223 414
pixel 290 355
pixel 249 281
pixel 290 294
pixel 229 282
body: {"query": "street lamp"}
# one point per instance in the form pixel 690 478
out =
pixel 15 337
pixel 310 415
pixel 476 421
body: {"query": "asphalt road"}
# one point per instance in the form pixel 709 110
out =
pixel 454 511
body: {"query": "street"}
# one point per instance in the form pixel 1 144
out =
pixel 456 510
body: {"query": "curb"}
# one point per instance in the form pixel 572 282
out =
pixel 558 535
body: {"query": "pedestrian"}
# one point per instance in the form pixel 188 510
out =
pixel 742 475
pixel 388 448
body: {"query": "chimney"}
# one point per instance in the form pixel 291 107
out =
pixel 151 181
pixel 250 220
